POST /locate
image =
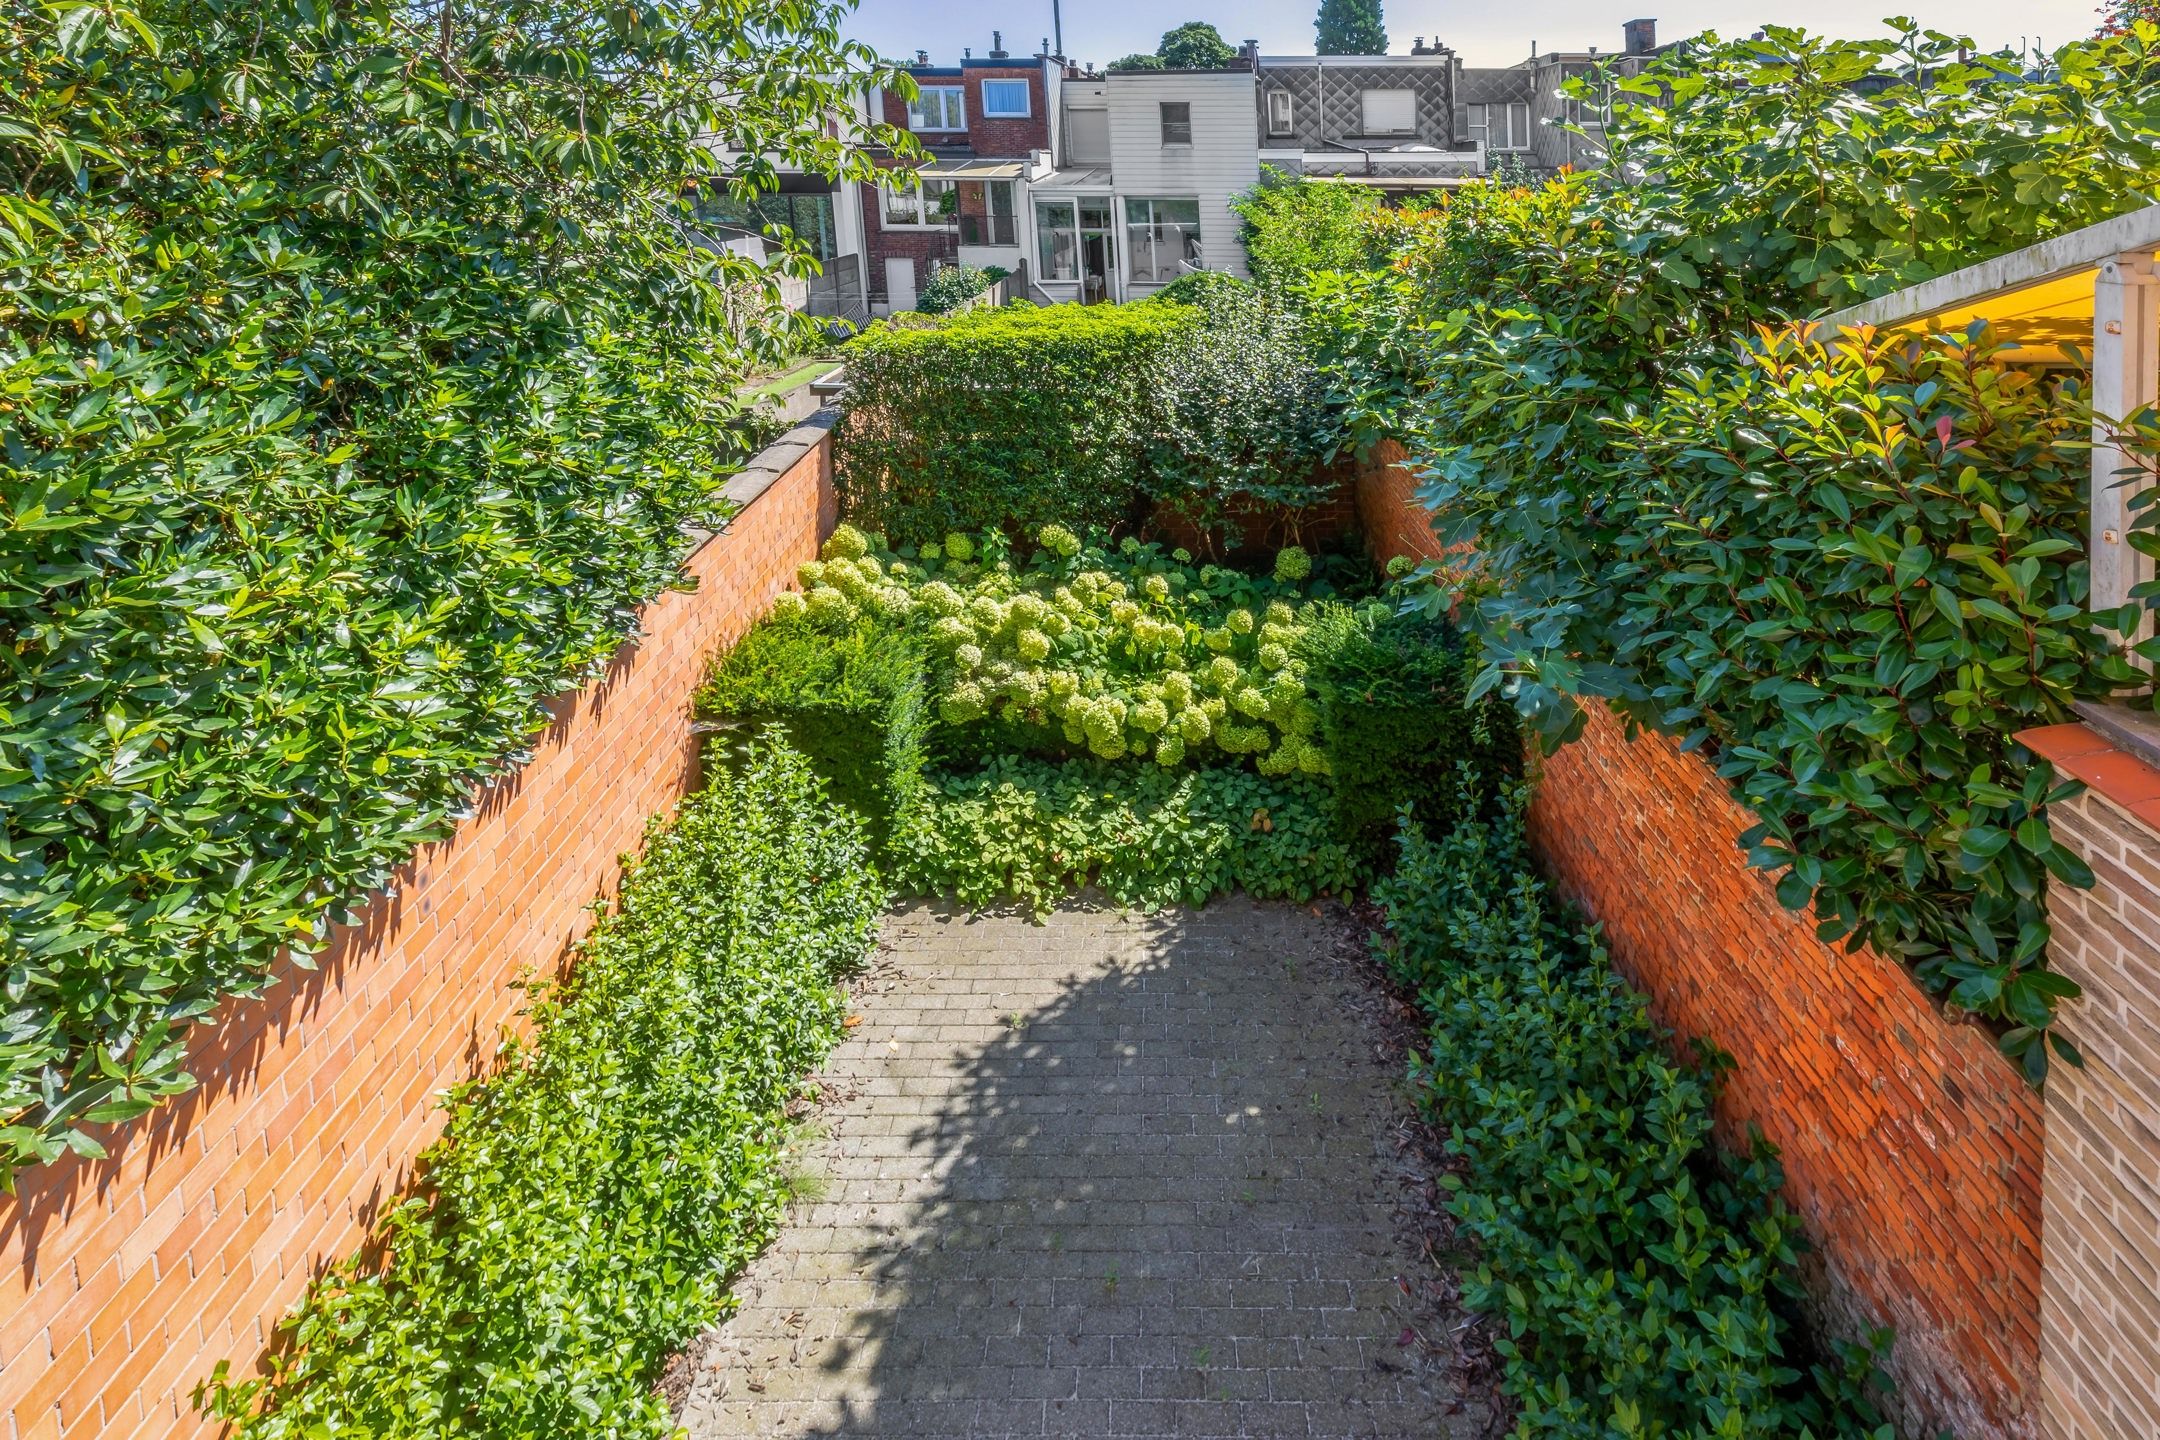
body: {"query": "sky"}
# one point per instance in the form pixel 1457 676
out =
pixel 1099 31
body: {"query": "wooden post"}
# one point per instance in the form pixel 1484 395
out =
pixel 2126 378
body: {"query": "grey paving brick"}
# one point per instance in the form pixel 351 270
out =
pixel 1114 1175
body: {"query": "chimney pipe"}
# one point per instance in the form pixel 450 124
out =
pixel 997 46
pixel 922 57
pixel 1641 36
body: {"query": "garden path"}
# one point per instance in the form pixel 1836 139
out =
pixel 1115 1175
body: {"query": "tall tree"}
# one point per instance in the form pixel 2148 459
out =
pixel 1351 27
pixel 1195 45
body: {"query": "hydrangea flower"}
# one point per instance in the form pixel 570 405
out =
pixel 960 547
pixel 1170 751
pixel 952 631
pixel 1292 564
pixel 1240 621
pixel 968 656
pixel 1399 566
pixel 1273 657
pixel 932 552
pixel 1181 555
pixel 1059 541
pixel 829 607
pixel 1033 645
pixel 1151 716
pixel 1194 725
pixel 810 574
pixel 963 703
pixel 847 543
pixel 788 605
pixel 1156 588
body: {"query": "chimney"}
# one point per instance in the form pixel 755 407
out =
pixel 1248 55
pixel 967 52
pixel 997 46
pixel 922 57
pixel 1641 36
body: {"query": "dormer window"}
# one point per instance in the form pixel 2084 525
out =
pixel 1005 99
pixel 1389 112
pixel 1281 113
pixel 938 107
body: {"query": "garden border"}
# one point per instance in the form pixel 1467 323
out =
pixel 123 1281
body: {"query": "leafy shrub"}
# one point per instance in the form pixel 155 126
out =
pixel 1648 1288
pixel 1569 364
pixel 1011 417
pixel 955 285
pixel 1293 228
pixel 852 699
pixel 1395 723
pixel 332 451
pixel 1036 831
pixel 587 1204
pixel 1243 412
pixel 1082 649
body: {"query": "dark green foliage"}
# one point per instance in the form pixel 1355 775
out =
pixel 1195 45
pixel 1854 585
pixel 1646 1284
pixel 852 699
pixel 1350 27
pixel 1013 417
pixel 1395 722
pixel 1036 831
pixel 954 286
pixel 1244 412
pixel 358 385
pixel 588 1204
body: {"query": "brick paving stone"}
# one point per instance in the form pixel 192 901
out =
pixel 1112 1175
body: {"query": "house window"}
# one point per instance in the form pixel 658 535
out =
pixel 1281 113
pixel 988 218
pixel 1162 239
pixel 1176 122
pixel 1005 99
pixel 933 204
pixel 938 107
pixel 1390 112
pixel 1057 240
pixel 1500 127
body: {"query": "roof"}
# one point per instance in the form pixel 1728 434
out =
pixel 957 169
pixel 1086 177
pixel 2038 298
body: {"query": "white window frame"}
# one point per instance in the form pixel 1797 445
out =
pixel 925 209
pixel 1150 231
pixel 1514 118
pixel 1406 98
pixel 1026 100
pixel 1281 113
pixel 1162 112
pixel 952 106
pixel 1059 217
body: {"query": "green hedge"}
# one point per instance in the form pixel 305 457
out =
pixel 1850 578
pixel 583 1212
pixel 1036 831
pixel 1395 722
pixel 854 701
pixel 1014 417
pixel 359 383
pixel 1645 1285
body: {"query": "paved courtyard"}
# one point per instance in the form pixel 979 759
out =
pixel 1116 1175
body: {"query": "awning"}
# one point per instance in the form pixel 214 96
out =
pixel 2037 298
pixel 972 170
pixel 2095 288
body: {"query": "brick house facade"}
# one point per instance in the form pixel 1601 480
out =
pixel 978 141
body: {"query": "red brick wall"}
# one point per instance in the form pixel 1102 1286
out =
pixel 1394 523
pixel 1912 1149
pixel 123 1281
